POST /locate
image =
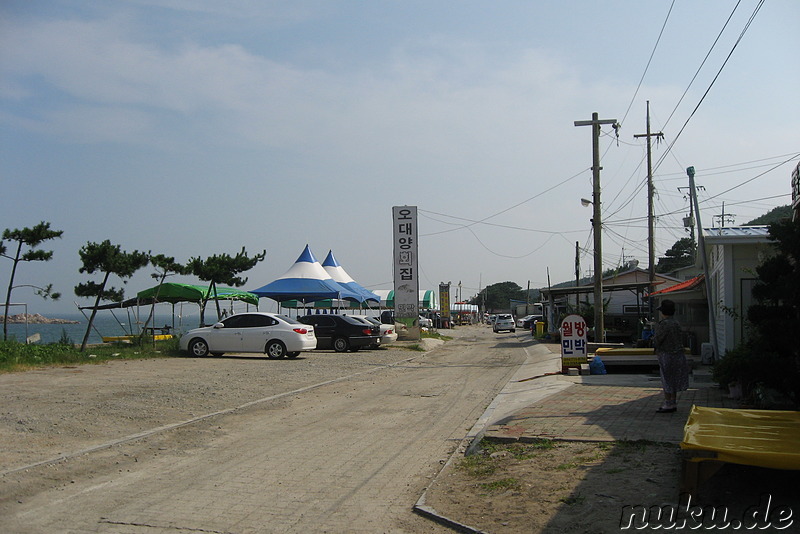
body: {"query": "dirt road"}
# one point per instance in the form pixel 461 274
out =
pixel 329 442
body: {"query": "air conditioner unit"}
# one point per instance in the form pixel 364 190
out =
pixel 707 353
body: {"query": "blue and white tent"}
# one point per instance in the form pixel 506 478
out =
pixel 339 275
pixel 306 281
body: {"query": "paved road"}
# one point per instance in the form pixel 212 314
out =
pixel 350 456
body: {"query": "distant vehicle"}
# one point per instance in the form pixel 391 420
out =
pixel 388 332
pixel 342 332
pixel 277 336
pixel 528 321
pixel 504 321
pixel 425 322
pixel 387 317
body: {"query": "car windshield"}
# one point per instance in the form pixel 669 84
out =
pixel 288 319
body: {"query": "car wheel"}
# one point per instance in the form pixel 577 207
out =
pixel 198 348
pixel 341 344
pixel 275 350
pixel 293 355
pixel 513 330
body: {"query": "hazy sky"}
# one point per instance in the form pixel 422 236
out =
pixel 197 127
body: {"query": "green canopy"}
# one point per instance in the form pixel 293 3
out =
pixel 174 292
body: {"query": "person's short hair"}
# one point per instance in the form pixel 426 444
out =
pixel 667 307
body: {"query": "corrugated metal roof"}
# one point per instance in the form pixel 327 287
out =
pixel 688 285
pixel 736 234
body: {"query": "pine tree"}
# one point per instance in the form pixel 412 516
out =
pixel 30 238
pixel 107 259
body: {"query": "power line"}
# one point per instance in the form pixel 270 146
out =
pixel 705 94
pixel 472 223
pixel 652 53
pixel 713 45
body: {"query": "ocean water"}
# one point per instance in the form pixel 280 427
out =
pixel 126 322
pixel 105 324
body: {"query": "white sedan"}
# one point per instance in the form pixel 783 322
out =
pixel 277 336
pixel 388 333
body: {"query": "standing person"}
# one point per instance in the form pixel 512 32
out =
pixel 668 343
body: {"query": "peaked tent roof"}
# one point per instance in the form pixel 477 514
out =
pixel 306 281
pixel 338 273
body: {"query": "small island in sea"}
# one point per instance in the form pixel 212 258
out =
pixel 35 318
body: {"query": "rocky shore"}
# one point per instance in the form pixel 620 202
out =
pixel 35 318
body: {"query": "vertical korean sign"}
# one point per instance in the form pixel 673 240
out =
pixel 573 341
pixel 406 281
pixel 444 300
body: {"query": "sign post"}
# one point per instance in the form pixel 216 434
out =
pixel 406 281
pixel 573 342
pixel 444 304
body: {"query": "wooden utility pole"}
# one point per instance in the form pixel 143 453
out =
pixel 595 123
pixel 577 276
pixel 651 247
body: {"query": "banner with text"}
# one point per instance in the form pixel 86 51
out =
pixel 406 281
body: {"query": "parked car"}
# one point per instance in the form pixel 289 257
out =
pixel 425 322
pixel 277 336
pixel 387 317
pixel 387 331
pixel 528 321
pixel 342 332
pixel 364 319
pixel 504 321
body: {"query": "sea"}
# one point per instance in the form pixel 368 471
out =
pixel 123 322
pixel 105 323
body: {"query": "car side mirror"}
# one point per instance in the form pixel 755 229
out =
pixel 219 325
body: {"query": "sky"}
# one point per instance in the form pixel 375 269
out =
pixel 196 127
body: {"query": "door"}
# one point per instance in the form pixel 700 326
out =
pixel 256 330
pixel 228 338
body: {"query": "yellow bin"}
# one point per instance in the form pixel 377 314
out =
pixel 540 328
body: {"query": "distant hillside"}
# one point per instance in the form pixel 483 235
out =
pixel 781 212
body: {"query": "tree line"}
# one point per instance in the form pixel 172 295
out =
pixel 108 260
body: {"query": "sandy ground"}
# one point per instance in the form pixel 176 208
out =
pixel 555 487
pixel 605 487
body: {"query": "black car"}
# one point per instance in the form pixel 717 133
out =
pixel 342 333
pixel 530 321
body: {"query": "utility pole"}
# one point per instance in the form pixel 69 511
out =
pixel 595 123
pixel 651 247
pixel 577 275
pixel 528 299
pixel 688 222
pixel 712 321
pixel 725 217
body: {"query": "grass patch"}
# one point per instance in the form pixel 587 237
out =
pixel 500 485
pixel 434 335
pixel 477 465
pixel 486 461
pixel 15 356
pixel 573 499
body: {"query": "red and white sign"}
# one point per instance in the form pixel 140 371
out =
pixel 573 341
